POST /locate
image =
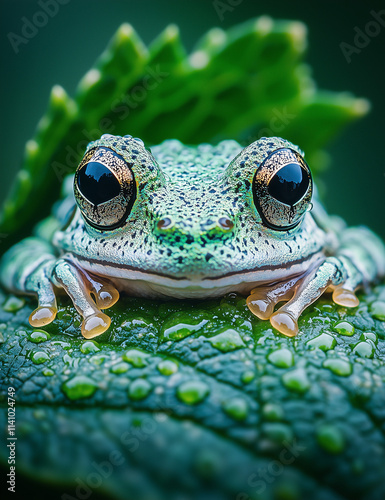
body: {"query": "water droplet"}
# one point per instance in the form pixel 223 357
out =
pixel 63 345
pixel 229 340
pixel 40 357
pixel 330 438
pixel 296 380
pixel 89 346
pixel 282 358
pixel 67 359
pixel 39 336
pixel 193 392
pixel 98 359
pixel 236 408
pixel 181 330
pixel 79 387
pixel 358 466
pixel 325 342
pixel 364 349
pixel 47 372
pixel 139 389
pixel 344 328
pixel 377 310
pixel 13 304
pixel 136 323
pixel 122 367
pixel 208 463
pixel 248 376
pixel 39 414
pixel 167 367
pixel 338 366
pixel 136 358
pixel 370 336
pixel 277 432
pixel 272 412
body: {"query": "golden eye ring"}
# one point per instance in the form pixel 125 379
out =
pixel 282 189
pixel 104 188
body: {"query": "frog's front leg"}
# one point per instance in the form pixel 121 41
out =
pixel 359 261
pixel 26 268
pixel 330 273
pixel 31 267
pixel 81 286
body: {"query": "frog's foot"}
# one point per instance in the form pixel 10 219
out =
pixel 264 298
pixel 300 293
pixel 104 294
pixel 39 282
pixel 79 286
pixel 343 294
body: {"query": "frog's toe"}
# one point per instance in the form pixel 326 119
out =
pixel 263 299
pixel 39 282
pixel 79 288
pixel 284 322
pixel 343 294
pixel 42 316
pixel 104 292
pixel 345 297
pixel 95 325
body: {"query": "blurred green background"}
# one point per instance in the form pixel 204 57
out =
pixel 64 49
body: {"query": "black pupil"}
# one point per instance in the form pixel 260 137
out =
pixel 97 183
pixel 289 184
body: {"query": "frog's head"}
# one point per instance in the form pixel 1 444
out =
pixel 193 217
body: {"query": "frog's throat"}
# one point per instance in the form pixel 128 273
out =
pixel 153 284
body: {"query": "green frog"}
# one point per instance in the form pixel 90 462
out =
pixel 193 222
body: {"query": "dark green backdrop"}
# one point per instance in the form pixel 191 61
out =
pixel 65 48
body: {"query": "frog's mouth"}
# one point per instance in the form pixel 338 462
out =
pixel 145 283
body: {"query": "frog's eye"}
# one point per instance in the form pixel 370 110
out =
pixel 282 189
pixel 104 188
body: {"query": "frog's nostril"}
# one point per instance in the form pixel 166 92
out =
pixel 225 223
pixel 165 223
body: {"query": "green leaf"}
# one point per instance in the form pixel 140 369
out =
pixel 238 84
pixel 143 416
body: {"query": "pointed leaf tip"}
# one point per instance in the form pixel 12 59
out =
pixel 58 95
pixel 171 32
pixel 264 24
pixel 361 107
pixel 298 32
pixel 199 59
pixel 31 148
pixel 217 37
pixel 125 30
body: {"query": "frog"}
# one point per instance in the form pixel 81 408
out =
pixel 193 222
